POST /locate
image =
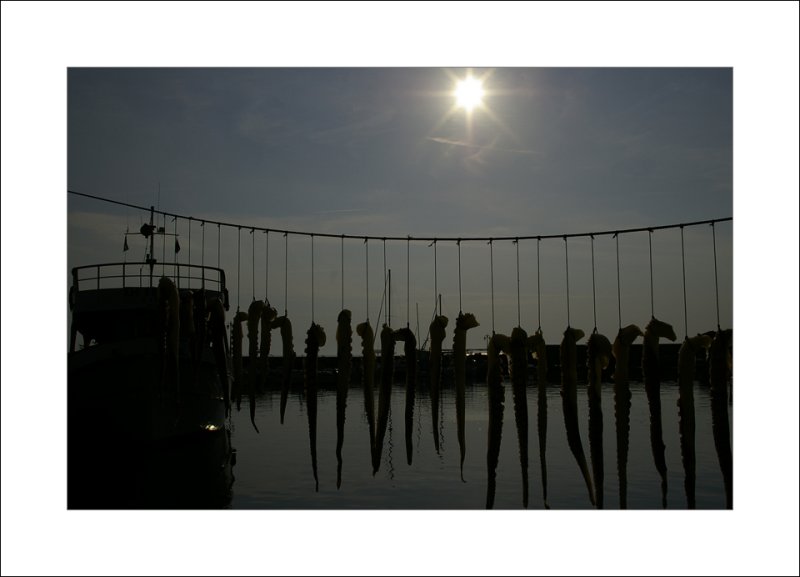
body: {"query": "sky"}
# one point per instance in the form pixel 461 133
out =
pixel 41 43
pixel 386 151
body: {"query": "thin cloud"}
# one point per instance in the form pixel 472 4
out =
pixel 441 140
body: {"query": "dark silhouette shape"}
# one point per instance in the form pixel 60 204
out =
pixel 238 371
pixel 464 322
pixel 315 338
pixel 654 330
pixel 187 325
pixel 268 315
pixel 494 379
pixel 344 355
pixel 537 345
pixel 598 353
pixel 569 398
pixel 200 317
pixel 720 358
pixel 687 359
pixel 519 383
pixel 410 350
pixel 169 334
pixel 622 404
pixel 253 321
pixel 364 330
pixel 437 337
pixel 219 345
pixel 285 325
pixel 384 394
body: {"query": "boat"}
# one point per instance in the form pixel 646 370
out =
pixel 146 394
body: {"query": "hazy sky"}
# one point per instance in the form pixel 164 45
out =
pixel 383 151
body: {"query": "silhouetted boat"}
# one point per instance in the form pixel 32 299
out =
pixel 147 394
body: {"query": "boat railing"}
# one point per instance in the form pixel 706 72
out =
pixel 140 274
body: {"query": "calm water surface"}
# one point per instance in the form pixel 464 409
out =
pixel 273 468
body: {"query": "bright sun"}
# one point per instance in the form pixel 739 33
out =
pixel 469 93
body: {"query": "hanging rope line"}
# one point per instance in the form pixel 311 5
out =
pixel 566 256
pixel 366 252
pixel 716 284
pixel 619 292
pixel 342 273
pixel 408 282
pixel 286 276
pixel 683 268
pixel 253 235
pixel 203 253
pixel 175 255
pixel 219 243
pixel 594 297
pixel 435 281
pixel 189 250
pixel 650 239
pixel 418 238
pixel 519 315
pixel 460 309
pixel 312 279
pixel 164 242
pixel 386 310
pixel 491 276
pixel 238 268
pixel 538 288
pixel 266 269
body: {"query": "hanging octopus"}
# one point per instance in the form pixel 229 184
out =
pixel 315 338
pixel 598 352
pixel 285 325
pixel 238 371
pixel 253 321
pixel 169 332
pixel 519 382
pixel 569 398
pixel 720 362
pixel 494 378
pixel 622 404
pixel 268 315
pixel 364 330
pixel 654 330
pixel 437 337
pixel 687 361
pixel 344 340
pixel 410 350
pixel 537 345
pixel 464 322
pixel 385 393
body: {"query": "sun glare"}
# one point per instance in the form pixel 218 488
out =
pixel 469 93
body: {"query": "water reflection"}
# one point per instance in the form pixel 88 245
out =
pixel 537 345
pixel 519 382
pixel 651 370
pixel 384 394
pixel 315 338
pixel 437 330
pixel 569 396
pixel 494 377
pixel 364 330
pixel 464 322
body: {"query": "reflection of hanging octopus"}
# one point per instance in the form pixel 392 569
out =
pixel 720 374
pixel 537 346
pixel 410 351
pixel 654 330
pixel 314 340
pixel 344 339
pixel 253 321
pixel 464 322
pixel 437 337
pixel 622 404
pixel 494 378
pixel 569 398
pixel 598 352
pixel 519 381
pixel 687 359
